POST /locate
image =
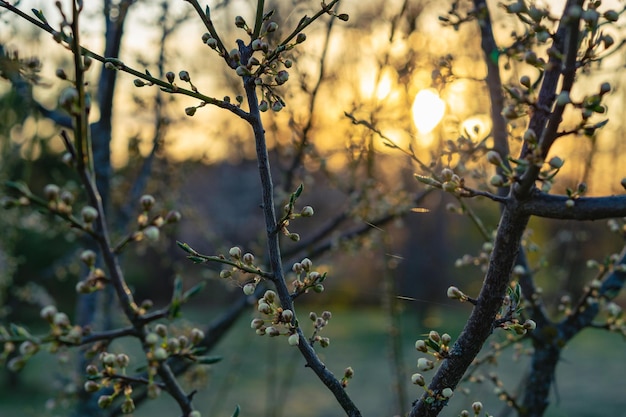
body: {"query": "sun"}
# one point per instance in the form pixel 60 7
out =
pixel 428 110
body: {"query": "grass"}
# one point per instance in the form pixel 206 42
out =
pixel 266 377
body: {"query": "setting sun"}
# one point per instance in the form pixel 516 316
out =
pixel 428 110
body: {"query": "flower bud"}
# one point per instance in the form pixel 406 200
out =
pixel 51 192
pixel 264 106
pixel 184 76
pixel 147 202
pixel 264 308
pixel 287 316
pixel 300 38
pixel 212 43
pixel 277 106
pixel 454 293
pixel 151 233
pixel 235 55
pixel 307 211
pixel 235 252
pixel 170 76
pixel 225 273
pixel 122 360
pixel 530 324
pixel 160 354
pixel 477 407
pixel 89 214
pixel 61 319
pixel 161 330
pixel 248 258
pixel 555 162
pixel 420 345
pixel 48 312
pixel 190 111
pixel 272 27
pixel 306 264
pixel 240 22
pixel 418 379
pixel 248 289
pixel 294 340
pixel 242 71
pixel 152 339
pixel 128 406
pixel 424 364
pixel 91 386
pixel 447 392
pixel 196 336
pixel 257 44
pixel 494 158
pixel 104 401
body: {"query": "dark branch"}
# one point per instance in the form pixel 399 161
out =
pixel 585 208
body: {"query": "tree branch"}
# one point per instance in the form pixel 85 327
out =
pixel 585 208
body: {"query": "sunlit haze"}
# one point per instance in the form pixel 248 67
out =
pixel 428 110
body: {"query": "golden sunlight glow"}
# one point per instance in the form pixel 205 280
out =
pixel 384 85
pixel 428 110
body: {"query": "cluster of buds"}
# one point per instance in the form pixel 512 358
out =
pixel 508 317
pixel 481 259
pixel 319 322
pixel 96 279
pixel 290 214
pixel 240 261
pixel 306 277
pixel 61 327
pixel 277 321
pixel 162 346
pixel 110 374
pixel 435 344
pixel 59 201
pixel 150 228
pixel 27 349
pixel 447 181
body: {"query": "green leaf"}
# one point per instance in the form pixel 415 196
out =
pixel 196 259
pixel 207 12
pixel 494 56
pixel 299 190
pixel 19 331
pixel 433 345
pixel 193 291
pixel 186 248
pixel 178 288
pixel 208 360
pixel 236 412
pixel 39 15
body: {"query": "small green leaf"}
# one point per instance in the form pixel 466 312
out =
pixel 19 331
pixel 208 360
pixel 193 291
pixel 178 288
pixel 207 12
pixel 236 412
pixel 39 15
pixel 186 248
pixel 299 190
pixel 196 259
pixel 494 56
pixel 434 346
